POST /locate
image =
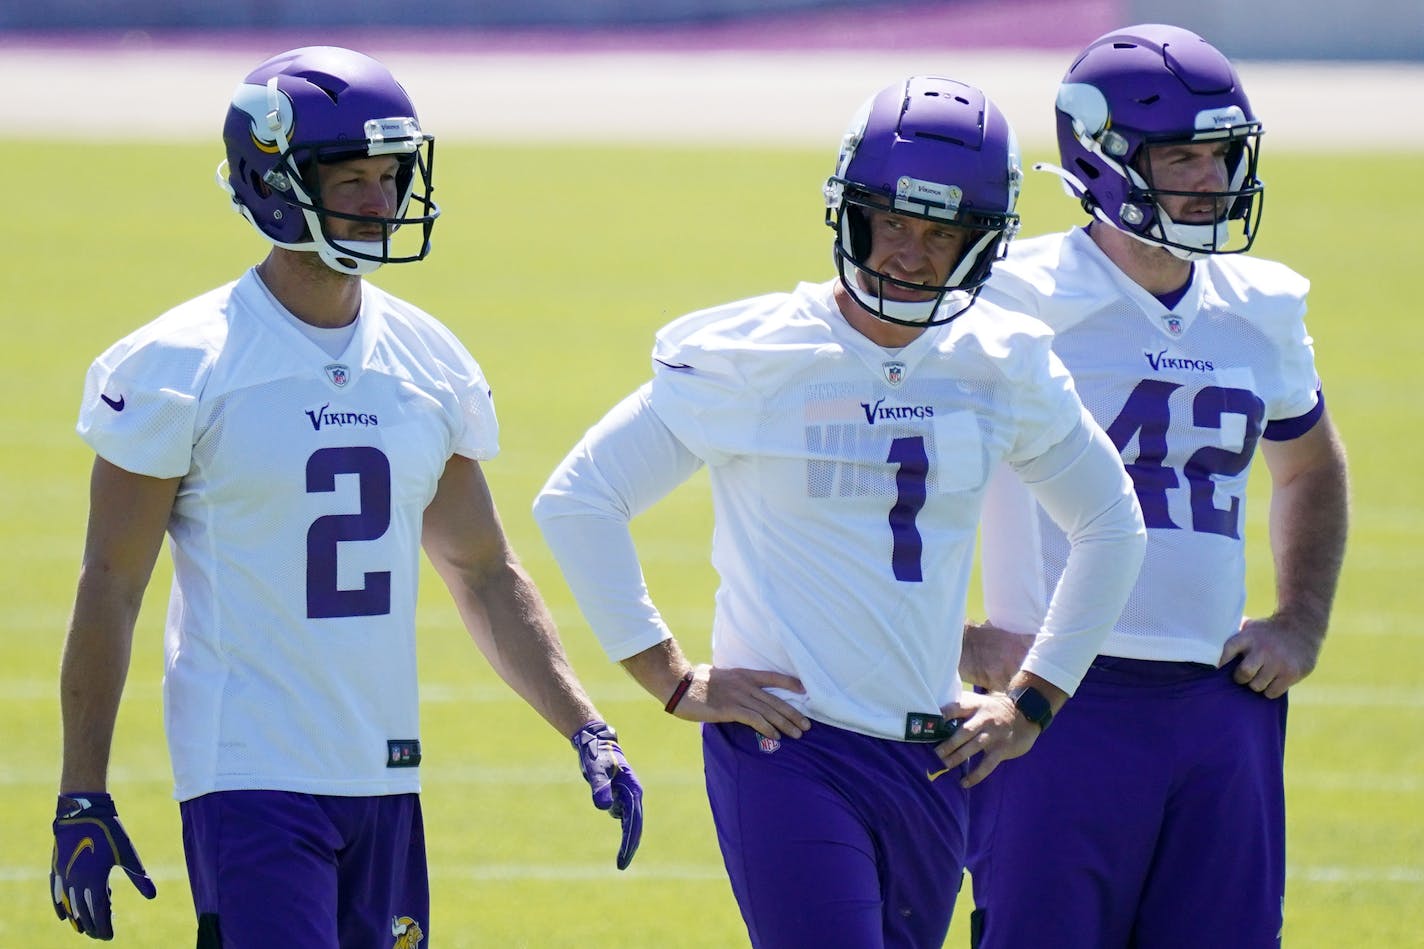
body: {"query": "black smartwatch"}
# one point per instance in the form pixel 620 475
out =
pixel 1032 705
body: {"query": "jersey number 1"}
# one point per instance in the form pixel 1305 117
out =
pixel 909 547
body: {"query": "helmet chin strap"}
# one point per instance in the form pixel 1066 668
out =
pixel 911 312
pixel 342 261
pixel 1070 182
pixel 1195 241
pixel 905 311
pixel 333 256
pixel 1198 240
pixel 926 313
pixel 1190 237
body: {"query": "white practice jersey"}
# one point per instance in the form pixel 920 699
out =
pixel 1185 394
pixel 290 642
pixel 847 481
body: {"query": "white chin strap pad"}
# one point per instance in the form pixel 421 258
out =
pixel 908 310
pixel 345 263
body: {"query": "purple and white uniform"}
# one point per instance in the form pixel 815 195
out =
pixel 847 481
pixel 295 534
pixel 1088 818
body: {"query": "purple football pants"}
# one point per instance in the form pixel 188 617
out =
pixel 1150 814
pixel 836 840
pixel 272 868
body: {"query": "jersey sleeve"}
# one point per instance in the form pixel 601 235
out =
pixel 1300 393
pixel 1286 429
pixel 141 402
pixel 478 436
pixel 1046 403
pixel 1013 289
pixel 1028 277
pixel 1275 297
pixel 475 426
pixel 622 466
pixel 700 392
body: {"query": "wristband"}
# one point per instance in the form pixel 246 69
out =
pixel 680 691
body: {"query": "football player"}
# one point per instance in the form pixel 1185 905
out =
pixel 1152 814
pixel 849 428
pixel 299 434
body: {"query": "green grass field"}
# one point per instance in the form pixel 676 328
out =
pixel 555 266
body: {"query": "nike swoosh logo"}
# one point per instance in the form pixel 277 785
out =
pixel 116 404
pixel 679 366
pixel 86 844
pixel 935 774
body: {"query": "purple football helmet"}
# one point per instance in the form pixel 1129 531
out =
pixel 316 105
pixel 1145 86
pixel 928 148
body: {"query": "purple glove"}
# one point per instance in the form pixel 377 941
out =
pixel 615 786
pixel 89 841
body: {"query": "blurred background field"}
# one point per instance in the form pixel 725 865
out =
pixel 559 301
pixel 555 262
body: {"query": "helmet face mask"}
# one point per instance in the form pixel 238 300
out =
pixel 935 150
pixel 1151 87
pixel 317 106
pixel 1240 200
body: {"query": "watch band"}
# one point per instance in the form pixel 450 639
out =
pixel 1032 705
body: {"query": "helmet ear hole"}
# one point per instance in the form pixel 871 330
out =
pixel 1087 170
pixel 257 184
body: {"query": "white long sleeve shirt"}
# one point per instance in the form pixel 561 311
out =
pixel 847 482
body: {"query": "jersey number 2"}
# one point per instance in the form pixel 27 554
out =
pixel 373 475
pixel 1146 414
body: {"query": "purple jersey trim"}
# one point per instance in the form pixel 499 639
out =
pixel 1284 429
pixel 1173 297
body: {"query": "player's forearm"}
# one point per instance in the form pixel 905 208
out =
pixel 510 624
pixel 1309 521
pixel 92 673
pixel 989 656
pixel 1057 698
pixel 658 669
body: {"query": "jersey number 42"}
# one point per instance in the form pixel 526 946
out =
pixel 1147 414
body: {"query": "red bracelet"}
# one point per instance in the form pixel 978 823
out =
pixel 680 691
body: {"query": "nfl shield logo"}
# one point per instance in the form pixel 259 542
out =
pixel 767 745
pixel 338 374
pixel 1174 324
pixel 894 372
